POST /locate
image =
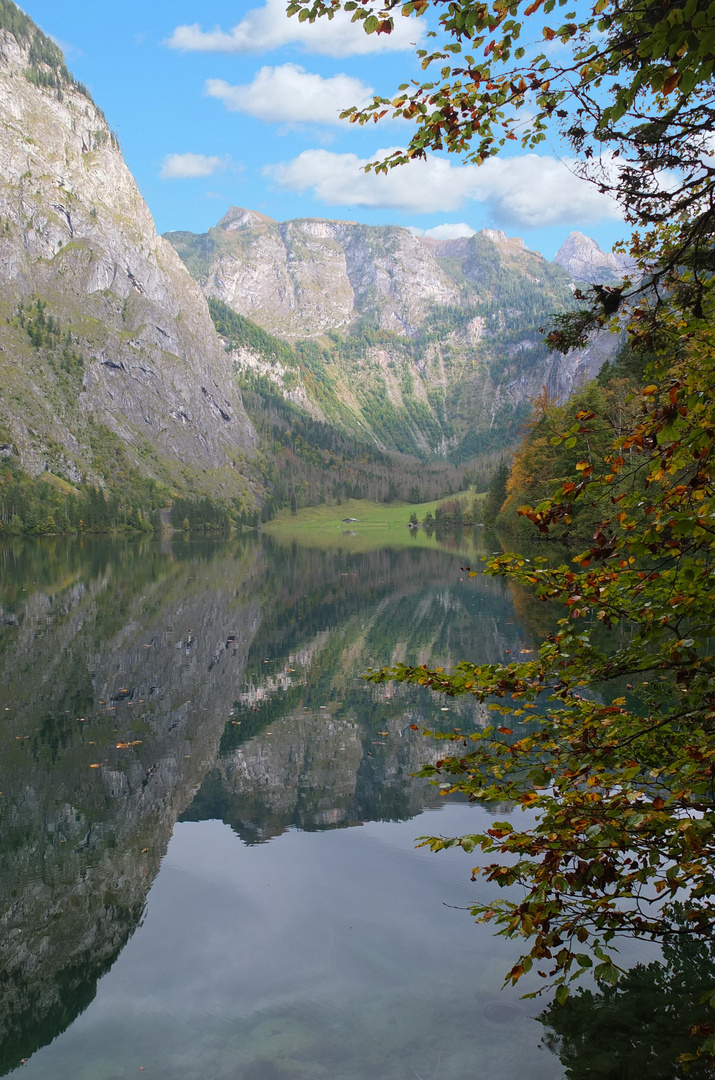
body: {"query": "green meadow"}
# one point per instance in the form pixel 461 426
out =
pixel 374 525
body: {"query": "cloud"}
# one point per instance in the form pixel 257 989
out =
pixel 448 231
pixel 190 166
pixel 290 94
pixel 530 191
pixel 269 28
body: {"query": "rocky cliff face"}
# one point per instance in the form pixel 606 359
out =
pixel 433 348
pixel 106 344
pixel 122 337
pixel 304 277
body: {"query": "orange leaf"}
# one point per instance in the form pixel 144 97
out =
pixel 671 82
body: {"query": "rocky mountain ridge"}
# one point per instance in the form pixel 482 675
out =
pixel 445 335
pixel 302 278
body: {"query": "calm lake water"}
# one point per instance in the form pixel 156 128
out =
pixel 208 823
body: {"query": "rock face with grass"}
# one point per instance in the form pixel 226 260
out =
pixel 429 347
pixel 305 277
pixel 101 327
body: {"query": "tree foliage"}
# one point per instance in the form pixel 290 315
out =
pixel 496 493
pixel 611 405
pixel 607 737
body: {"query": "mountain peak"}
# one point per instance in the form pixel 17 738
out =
pixel 586 261
pixel 500 238
pixel 237 217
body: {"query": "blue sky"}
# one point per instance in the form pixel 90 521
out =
pixel 209 101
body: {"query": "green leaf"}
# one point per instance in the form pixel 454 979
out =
pixel 607 972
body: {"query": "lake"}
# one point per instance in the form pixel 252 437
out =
pixel 207 840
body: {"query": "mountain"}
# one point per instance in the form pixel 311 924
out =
pixel 585 261
pixel 374 359
pixel 426 348
pixel 305 277
pixel 107 349
pixel 302 278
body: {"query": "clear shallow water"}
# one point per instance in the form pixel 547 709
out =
pixel 207 861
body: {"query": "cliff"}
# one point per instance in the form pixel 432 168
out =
pixel 431 348
pixel 101 327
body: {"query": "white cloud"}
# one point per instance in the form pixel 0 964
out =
pixel 190 166
pixel 529 191
pixel 448 231
pixel 292 95
pixel 269 27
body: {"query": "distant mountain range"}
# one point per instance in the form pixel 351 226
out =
pixel 446 335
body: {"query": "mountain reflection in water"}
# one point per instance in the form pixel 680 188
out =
pixel 218 686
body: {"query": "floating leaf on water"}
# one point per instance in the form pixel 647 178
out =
pixel 96 765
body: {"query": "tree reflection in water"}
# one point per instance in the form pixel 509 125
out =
pixel 641 1027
